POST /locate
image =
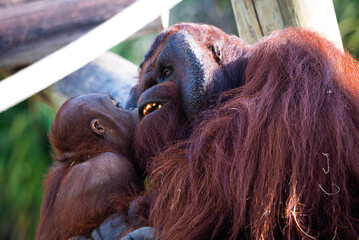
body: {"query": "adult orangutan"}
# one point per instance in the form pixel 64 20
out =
pixel 270 148
pixel 92 138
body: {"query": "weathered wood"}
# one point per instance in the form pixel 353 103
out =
pixel 269 20
pixel 4 3
pixel 248 25
pixel 30 31
pixel 257 18
pixel 108 73
pixel 78 53
pixel 34 20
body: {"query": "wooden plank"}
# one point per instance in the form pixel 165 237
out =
pixel 270 15
pixel 30 52
pixel 34 20
pixel 31 31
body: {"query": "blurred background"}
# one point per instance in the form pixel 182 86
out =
pixel 25 153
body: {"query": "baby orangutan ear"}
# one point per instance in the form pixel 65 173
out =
pixel 97 127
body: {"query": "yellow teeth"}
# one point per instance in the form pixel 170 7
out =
pixel 150 107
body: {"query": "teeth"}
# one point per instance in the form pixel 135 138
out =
pixel 153 106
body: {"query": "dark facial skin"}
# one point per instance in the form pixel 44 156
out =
pixel 184 72
pixel 194 57
pixel 91 136
pixel 169 65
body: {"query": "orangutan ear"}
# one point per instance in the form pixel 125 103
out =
pixel 97 127
pixel 217 52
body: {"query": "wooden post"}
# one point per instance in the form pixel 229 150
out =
pixel 258 18
pixel 32 30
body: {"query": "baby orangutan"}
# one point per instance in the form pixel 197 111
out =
pixel 91 136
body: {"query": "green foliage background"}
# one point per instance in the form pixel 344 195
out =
pixel 24 147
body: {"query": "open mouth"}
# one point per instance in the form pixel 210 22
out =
pixel 149 107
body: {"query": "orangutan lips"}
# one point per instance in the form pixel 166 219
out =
pixel 151 107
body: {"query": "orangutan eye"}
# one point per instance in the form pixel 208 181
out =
pixel 167 72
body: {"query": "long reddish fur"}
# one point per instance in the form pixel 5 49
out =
pixel 279 160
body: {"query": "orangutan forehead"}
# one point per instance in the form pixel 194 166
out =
pixel 202 33
pixel 149 64
pixel 157 45
pixel 152 56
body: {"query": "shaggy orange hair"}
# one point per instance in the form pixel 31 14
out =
pixel 279 160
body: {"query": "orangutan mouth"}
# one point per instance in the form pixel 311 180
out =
pixel 150 107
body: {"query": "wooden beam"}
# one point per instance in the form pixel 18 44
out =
pixel 257 18
pixel 30 31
